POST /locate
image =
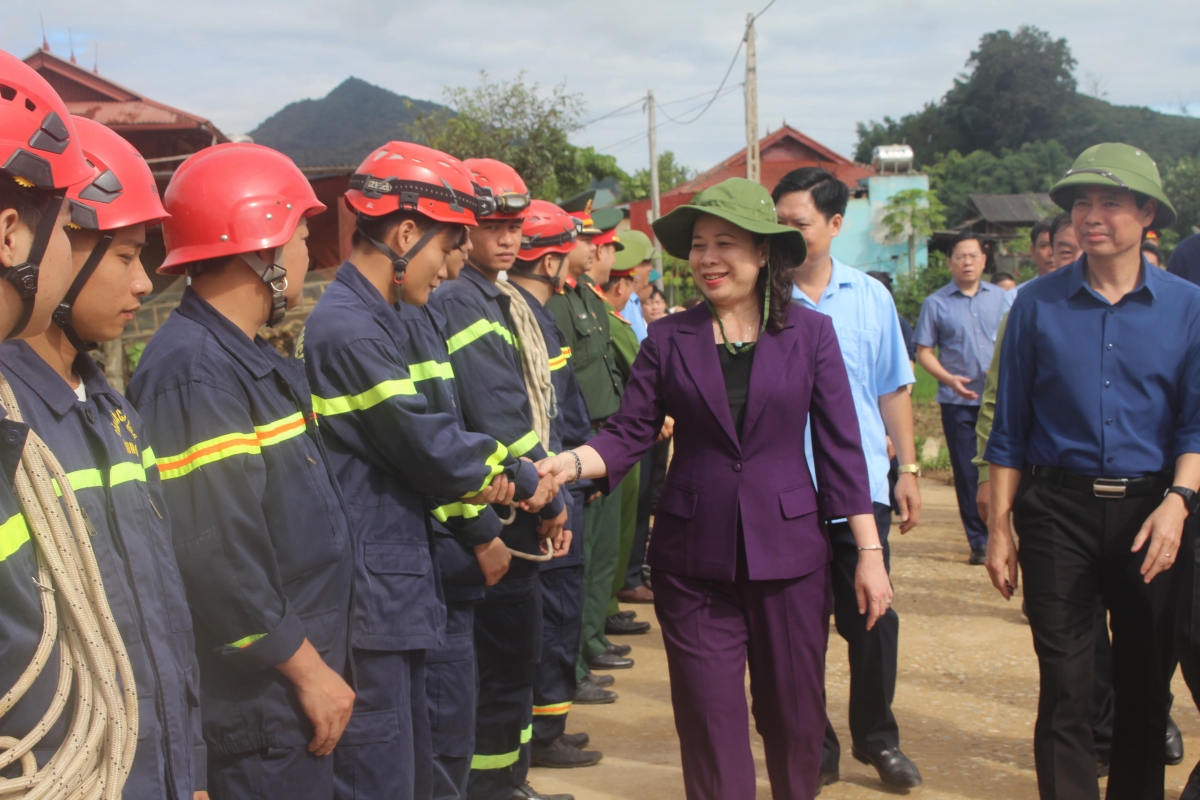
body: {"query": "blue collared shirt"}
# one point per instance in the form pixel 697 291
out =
pixel 1096 388
pixel 868 331
pixel 633 313
pixel 964 329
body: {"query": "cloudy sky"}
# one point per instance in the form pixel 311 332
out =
pixel 822 66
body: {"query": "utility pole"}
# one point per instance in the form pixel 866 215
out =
pixel 654 200
pixel 753 157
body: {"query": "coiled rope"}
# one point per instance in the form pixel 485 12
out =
pixel 96 753
pixel 535 367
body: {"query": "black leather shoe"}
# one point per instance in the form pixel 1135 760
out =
pixel 978 556
pixel 589 694
pixel 579 740
pixel 603 681
pixel 607 661
pixel 1174 743
pixel 825 778
pixel 559 754
pixel 631 614
pixel 527 792
pixel 1191 790
pixel 624 650
pixel 895 769
pixel 617 625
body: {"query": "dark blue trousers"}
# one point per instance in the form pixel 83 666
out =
pixel 453 689
pixel 554 685
pixel 386 749
pixel 290 772
pixel 958 423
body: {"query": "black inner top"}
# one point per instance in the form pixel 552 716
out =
pixel 736 371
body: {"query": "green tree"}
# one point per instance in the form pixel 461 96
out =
pixel 911 215
pixel 1033 168
pixel 911 290
pixel 1182 185
pixel 515 122
pixel 670 174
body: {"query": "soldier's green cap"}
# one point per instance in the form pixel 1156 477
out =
pixel 1112 164
pixel 743 202
pixel 608 218
pixel 580 202
pixel 638 249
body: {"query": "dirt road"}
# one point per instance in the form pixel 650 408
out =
pixel 965 699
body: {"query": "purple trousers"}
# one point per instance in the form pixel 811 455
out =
pixel 711 630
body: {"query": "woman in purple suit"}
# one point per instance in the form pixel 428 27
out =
pixel 739 553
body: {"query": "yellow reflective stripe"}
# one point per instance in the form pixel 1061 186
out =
pixel 553 710
pixel 148 458
pixel 494 464
pixel 82 479
pixel 560 360
pixel 464 510
pixel 495 762
pixel 523 445
pixel 527 734
pixel 477 330
pixel 329 406
pixel 246 641
pixel 13 534
pixel 276 432
pixel 124 472
pixel 566 351
pixel 427 370
pixel 206 452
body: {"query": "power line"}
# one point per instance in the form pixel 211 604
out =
pixel 614 112
pixel 638 136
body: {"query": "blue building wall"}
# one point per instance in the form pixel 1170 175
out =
pixel 858 244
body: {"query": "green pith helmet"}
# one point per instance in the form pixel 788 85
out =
pixel 579 202
pixel 1112 164
pixel 608 218
pixel 638 249
pixel 743 202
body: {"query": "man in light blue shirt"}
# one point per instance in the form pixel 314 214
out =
pixel 961 320
pixel 868 330
pixel 636 256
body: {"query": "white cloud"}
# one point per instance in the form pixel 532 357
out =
pixel 822 67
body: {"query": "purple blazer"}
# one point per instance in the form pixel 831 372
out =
pixel 797 371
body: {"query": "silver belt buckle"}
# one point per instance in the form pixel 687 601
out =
pixel 1110 488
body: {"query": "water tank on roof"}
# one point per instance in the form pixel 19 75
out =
pixel 892 158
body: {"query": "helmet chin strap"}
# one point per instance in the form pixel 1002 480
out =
pixel 400 262
pixel 24 277
pixel 555 281
pixel 63 314
pixel 275 277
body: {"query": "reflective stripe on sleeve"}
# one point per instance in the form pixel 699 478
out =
pixel 13 534
pixel 523 445
pixel 232 444
pixel 560 360
pixel 495 466
pixel 246 641
pixel 464 510
pixel 527 733
pixel 478 330
pixel 553 710
pixel 428 370
pixel 329 406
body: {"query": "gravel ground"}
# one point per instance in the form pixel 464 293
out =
pixel 965 700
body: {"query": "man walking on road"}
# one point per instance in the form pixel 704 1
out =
pixel 961 320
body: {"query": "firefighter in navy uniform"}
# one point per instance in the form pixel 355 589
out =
pixel 484 351
pixel 259 525
pixel 401 456
pixel 547 236
pixel 101 443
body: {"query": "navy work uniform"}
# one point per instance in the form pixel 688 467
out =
pixel 260 532
pixel 561 578
pixel 483 351
pixel 101 444
pixel 399 463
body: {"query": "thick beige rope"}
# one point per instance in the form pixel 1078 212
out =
pixel 95 756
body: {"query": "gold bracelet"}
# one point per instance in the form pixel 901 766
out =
pixel 904 469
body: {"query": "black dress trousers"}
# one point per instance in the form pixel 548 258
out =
pixel 1074 550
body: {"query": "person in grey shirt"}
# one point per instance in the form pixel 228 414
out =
pixel 961 320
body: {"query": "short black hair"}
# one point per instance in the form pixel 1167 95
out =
pixel 966 236
pixel 654 290
pixel 29 202
pixel 1058 223
pixel 883 277
pixel 829 194
pixel 1040 227
pixel 379 227
pixel 1150 247
pixel 1003 276
pixel 611 283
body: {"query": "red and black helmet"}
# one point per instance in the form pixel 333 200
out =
pixel 39 148
pixel 411 177
pixel 502 193
pixel 123 193
pixel 547 229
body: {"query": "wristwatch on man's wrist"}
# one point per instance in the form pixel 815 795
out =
pixel 904 469
pixel 1190 498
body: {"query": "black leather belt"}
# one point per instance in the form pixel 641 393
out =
pixel 1106 488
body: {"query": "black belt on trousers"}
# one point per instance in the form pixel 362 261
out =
pixel 1106 488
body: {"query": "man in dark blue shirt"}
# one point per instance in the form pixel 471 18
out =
pixel 1095 451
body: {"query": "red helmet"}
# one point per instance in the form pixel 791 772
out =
pixel 547 229
pixel 233 199
pixel 123 193
pixel 416 178
pixel 38 143
pixel 503 193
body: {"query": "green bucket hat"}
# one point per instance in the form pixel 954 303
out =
pixel 737 200
pixel 638 248
pixel 1121 165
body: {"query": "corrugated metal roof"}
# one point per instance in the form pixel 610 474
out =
pixel 1013 209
